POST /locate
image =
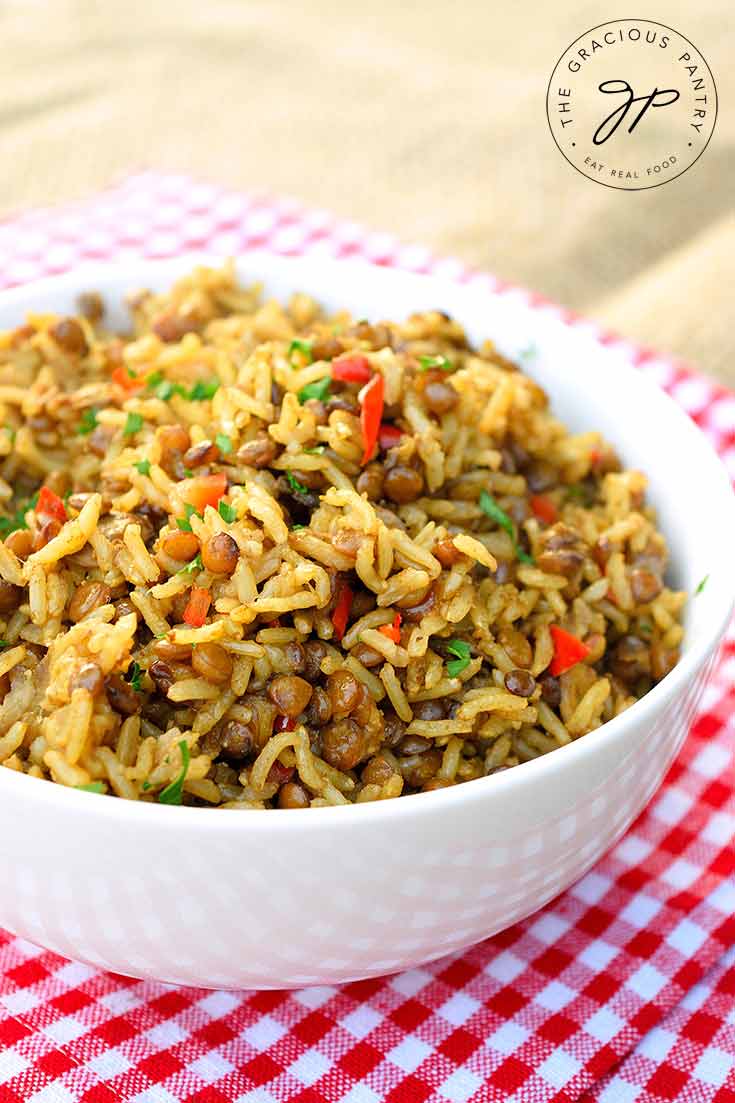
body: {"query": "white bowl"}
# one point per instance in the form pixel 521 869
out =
pixel 276 899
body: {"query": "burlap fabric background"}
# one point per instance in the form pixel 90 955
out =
pixel 426 119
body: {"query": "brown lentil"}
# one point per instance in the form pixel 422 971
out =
pixel 69 336
pixel 259 452
pixel 520 683
pixel 370 481
pixel 293 795
pixel 403 484
pixel 343 744
pixel 211 661
pixel 290 694
pixel 440 397
pixel 87 597
pixel 220 554
pixel 180 545
pixel 162 675
pixel 344 693
pixel 645 585
pixel 121 696
pixel 10 597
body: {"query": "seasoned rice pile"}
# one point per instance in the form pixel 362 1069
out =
pixel 254 556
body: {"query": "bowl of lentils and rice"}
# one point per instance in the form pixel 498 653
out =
pixel 269 549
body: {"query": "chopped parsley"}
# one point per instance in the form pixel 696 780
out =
pixel 701 585
pixel 189 473
pixel 184 523
pixel 316 450
pixel 173 792
pixel 133 425
pixel 165 389
pixel 88 422
pixel 203 388
pixel 144 467
pixel 92 787
pixel 489 506
pixel 146 786
pixel 224 443
pixel 319 389
pixel 18 520
pixel 134 679
pixel 462 655
pixel 195 565
pixel 227 512
pixel 297 528
pixel 294 483
pixel 154 379
pixel 304 347
pixel 645 627
pixel 441 362
pixel 4 643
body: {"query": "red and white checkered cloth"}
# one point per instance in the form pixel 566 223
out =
pixel 622 989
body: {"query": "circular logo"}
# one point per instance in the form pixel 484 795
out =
pixel 631 104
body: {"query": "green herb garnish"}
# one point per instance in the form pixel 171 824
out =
pixel 195 565
pixel 92 787
pixel 701 585
pixel 202 389
pixel 133 425
pixel 297 528
pixel 135 673
pixel 319 389
pixel 224 443
pixel 154 379
pixel 184 523
pixel 227 512
pixel 11 433
pixel 316 450
pixel 295 485
pixel 4 643
pixel 18 520
pixel 173 792
pixel 462 653
pixel 441 362
pixel 166 389
pixel 489 506
pixel 144 467
pixel 88 422
pixel 189 473
pixel 146 786
pixel 304 347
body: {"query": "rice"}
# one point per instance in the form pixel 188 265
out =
pixel 253 556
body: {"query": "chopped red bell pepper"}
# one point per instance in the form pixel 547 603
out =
pixel 595 456
pixel 51 505
pixel 352 369
pixel 124 379
pixel 392 631
pixel 283 723
pixel 197 607
pixel 342 610
pixel 371 413
pixel 389 436
pixel 568 650
pixel 543 508
pixel 280 774
pixel 203 490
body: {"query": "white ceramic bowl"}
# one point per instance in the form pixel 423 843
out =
pixel 276 899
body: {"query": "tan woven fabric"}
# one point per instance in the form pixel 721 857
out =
pixel 424 119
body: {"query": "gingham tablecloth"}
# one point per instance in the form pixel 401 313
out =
pixel 622 989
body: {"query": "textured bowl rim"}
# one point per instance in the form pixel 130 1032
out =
pixel 440 801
